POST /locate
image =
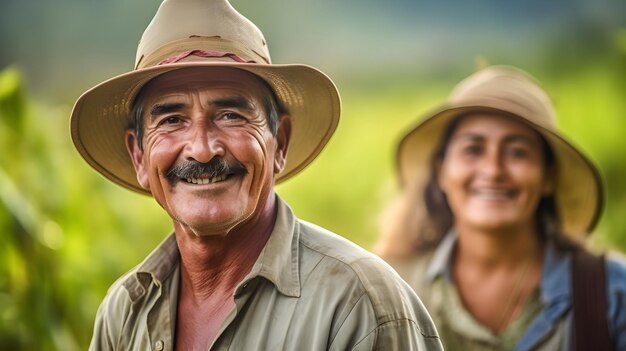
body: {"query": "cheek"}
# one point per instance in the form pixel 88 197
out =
pixel 451 176
pixel 533 178
pixel 253 148
pixel 161 153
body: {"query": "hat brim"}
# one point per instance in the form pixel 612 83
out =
pixel 579 192
pixel 101 115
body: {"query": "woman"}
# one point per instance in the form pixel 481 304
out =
pixel 495 204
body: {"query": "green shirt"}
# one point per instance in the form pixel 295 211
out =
pixel 460 331
pixel 429 274
pixel 308 290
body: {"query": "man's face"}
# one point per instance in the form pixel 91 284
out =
pixel 209 157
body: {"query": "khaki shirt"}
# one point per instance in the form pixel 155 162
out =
pixel 541 326
pixel 308 290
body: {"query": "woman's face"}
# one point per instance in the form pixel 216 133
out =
pixel 493 173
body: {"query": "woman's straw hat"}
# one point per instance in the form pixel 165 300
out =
pixel 207 33
pixel 512 92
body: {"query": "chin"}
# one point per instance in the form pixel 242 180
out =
pixel 497 225
pixel 212 218
pixel 203 226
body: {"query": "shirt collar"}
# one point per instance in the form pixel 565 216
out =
pixel 442 258
pixel 157 267
pixel 278 261
pixel 555 281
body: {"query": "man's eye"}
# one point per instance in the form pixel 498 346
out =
pixel 170 120
pixel 231 116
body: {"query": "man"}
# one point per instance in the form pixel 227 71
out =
pixel 210 125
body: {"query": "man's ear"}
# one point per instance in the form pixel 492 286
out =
pixel 136 155
pixel 283 136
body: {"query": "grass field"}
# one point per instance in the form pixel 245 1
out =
pixel 68 233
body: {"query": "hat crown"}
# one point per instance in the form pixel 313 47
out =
pixel 178 20
pixel 508 89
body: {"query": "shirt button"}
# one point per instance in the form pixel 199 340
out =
pixel 159 345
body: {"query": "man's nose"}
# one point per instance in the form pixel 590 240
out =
pixel 205 142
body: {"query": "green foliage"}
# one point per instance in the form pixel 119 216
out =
pixel 68 233
pixel 62 245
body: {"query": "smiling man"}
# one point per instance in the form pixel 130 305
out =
pixel 208 153
pixel 207 125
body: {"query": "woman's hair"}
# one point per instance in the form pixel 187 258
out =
pixel 406 231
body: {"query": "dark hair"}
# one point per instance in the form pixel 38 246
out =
pixel 270 103
pixel 440 219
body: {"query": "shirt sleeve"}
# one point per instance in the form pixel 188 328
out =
pixel 102 339
pixel 362 330
pixel 111 315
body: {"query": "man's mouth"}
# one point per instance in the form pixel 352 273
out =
pixel 215 171
pixel 207 180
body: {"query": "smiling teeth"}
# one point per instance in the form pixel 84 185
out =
pixel 493 193
pixel 206 180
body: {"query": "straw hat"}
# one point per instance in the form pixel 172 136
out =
pixel 207 33
pixel 512 92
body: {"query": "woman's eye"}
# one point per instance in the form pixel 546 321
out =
pixel 471 150
pixel 518 152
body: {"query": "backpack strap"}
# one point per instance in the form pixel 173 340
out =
pixel 589 292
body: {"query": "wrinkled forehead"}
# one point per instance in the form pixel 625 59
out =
pixel 204 78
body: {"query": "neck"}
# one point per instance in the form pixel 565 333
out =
pixel 490 249
pixel 216 264
pixel 496 271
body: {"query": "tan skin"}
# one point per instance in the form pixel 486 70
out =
pixel 493 175
pixel 221 227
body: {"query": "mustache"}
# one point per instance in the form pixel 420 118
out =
pixel 216 167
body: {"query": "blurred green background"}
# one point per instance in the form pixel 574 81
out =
pixel 67 234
